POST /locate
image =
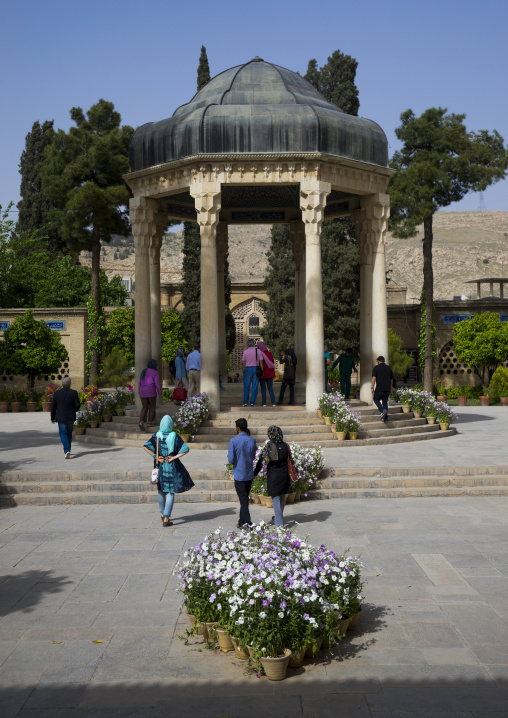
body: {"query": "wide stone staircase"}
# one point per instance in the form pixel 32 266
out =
pixel 132 487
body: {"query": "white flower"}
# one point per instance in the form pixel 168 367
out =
pixel 281 615
pixel 262 614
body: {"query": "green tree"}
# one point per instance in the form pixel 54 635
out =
pixel 422 336
pixel 341 285
pixel 67 284
pixel 30 348
pixel 203 69
pixel 279 332
pixel 82 174
pixel 172 333
pixel 336 81
pixel 398 359
pixel 439 163
pixel 119 333
pixel 482 343
pixel 191 284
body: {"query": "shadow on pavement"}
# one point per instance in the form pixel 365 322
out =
pixel 468 418
pixel 30 439
pixel 319 516
pixel 204 516
pixel 22 592
pixel 96 451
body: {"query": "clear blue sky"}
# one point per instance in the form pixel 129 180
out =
pixel 143 57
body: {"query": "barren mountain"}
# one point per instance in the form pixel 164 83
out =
pixel 467 245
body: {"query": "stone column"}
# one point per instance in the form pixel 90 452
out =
pixel 159 224
pixel 359 219
pixel 297 235
pixel 143 213
pixel 206 195
pixel 222 245
pixel 377 209
pixel 313 195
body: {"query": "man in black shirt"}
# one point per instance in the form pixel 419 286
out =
pixel 64 406
pixel 382 385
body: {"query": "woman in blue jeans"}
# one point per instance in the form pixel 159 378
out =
pixel 275 456
pixel 173 476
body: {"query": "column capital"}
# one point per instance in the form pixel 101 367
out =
pixel 361 225
pixel 207 200
pixel 313 194
pixel 148 222
pixel 377 212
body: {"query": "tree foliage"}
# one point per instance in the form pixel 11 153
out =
pixel 439 163
pixel 82 175
pixel 119 333
pixel 482 343
pixel 278 332
pixel 30 348
pixel 191 285
pixel 335 80
pixel 398 359
pixel 172 333
pixel 340 260
pixel 203 69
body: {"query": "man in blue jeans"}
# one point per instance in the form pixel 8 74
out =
pixel 241 453
pixel 382 385
pixel 251 359
pixel 64 406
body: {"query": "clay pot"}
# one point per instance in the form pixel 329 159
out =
pixel 210 629
pixel 186 437
pixel 353 435
pixel 444 427
pixel 504 400
pixel 290 498
pixel 262 499
pixel 344 625
pixel 276 668
pixel 320 413
pixel 106 417
pixel 46 405
pixel 328 420
pixel 255 498
pixel 225 642
pixel 441 397
pixel 31 406
pixel 297 496
pixel 353 623
pixel 431 420
pixel 406 409
pixel 268 502
pixel 15 406
pixel 417 414
pixel 80 430
pixel 296 659
pixel 341 435
pixel 484 400
pixel 4 407
pixel 334 428
pixel 462 400
pixel 94 424
pixel 239 650
pixel 311 652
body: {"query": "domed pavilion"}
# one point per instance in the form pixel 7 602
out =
pixel 258 144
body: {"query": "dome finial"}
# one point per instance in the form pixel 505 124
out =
pixel 257 59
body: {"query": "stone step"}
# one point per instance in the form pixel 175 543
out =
pixel 408 492
pixel 400 431
pixel 393 482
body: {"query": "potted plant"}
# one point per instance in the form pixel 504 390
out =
pixel 47 397
pixel 498 388
pixel 16 398
pixel 341 423
pixel 30 399
pixel 403 395
pixel 431 412
pixel 353 425
pixel 229 470
pixel 418 400
pixel 82 421
pixel 485 398
pixel 441 391
pixel 445 416
pixel 4 400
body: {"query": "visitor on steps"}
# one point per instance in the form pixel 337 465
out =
pixel 288 378
pixel 252 358
pixel 149 386
pixel 180 371
pixel 193 366
pixel 241 453
pixel 347 366
pixel 173 476
pixel 275 455
pixel 64 406
pixel 266 380
pixel 382 385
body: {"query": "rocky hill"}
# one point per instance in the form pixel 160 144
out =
pixel 466 245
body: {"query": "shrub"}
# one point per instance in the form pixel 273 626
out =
pixel 499 384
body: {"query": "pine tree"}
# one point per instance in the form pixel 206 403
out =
pixel 34 206
pixel 82 174
pixel 191 285
pixel 203 69
pixel 278 332
pixel 312 75
pixel 336 81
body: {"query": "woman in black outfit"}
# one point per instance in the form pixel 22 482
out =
pixel 275 455
pixel 288 379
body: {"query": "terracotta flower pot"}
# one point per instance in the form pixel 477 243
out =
pixel 276 668
pixel 444 426
pixel 343 626
pixel 239 650
pixel 4 407
pixel 290 498
pixel 484 400
pixel 334 428
pixel 225 642
pixel 46 405
pixel 31 406
pixel 311 652
pixel 441 397
pixel 94 424
pixel 186 437
pixel 297 496
pixel 341 435
pixel 431 420
pixel 320 413
pixel 211 631
pixel 296 659
pixel 406 408
pixel 328 420
pixel 106 417
pixel 80 430
pixel 353 623
pixel 504 400
pixel 268 502
pixel 353 435
pixel 262 499
pixel 418 414
pixel 15 406
pixel 255 498
pixel 462 400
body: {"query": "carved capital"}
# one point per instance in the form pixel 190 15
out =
pixel 207 200
pixel 360 223
pixel 377 212
pixel 148 223
pixel 313 196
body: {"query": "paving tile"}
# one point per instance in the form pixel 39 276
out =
pixel 491 655
pixel 433 634
pixel 477 623
pixel 450 656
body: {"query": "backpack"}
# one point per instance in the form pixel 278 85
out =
pixel 172 367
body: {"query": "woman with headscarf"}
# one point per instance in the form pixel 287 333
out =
pixel 173 476
pixel 180 371
pixel 268 374
pixel 275 455
pixel 288 379
pixel 148 387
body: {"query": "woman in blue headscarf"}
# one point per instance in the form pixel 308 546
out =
pixel 173 476
pixel 275 455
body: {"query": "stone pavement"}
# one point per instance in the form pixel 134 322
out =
pixel 90 618
pixel 30 441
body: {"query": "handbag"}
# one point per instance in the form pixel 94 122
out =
pixel 154 478
pixel 179 394
pixel 293 475
pixel 259 371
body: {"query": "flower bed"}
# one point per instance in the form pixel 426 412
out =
pixel 269 589
pixel 191 414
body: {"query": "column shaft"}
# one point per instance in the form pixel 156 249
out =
pixel 359 218
pixel 222 243
pixel 297 234
pixel 377 209
pixel 155 302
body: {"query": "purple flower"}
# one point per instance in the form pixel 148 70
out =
pixel 296 544
pixel 306 616
pixel 213 597
pixel 265 603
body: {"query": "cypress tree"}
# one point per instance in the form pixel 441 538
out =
pixel 278 331
pixel 191 285
pixel 336 81
pixel 230 322
pixel 203 69
pixel 34 206
pixel 312 74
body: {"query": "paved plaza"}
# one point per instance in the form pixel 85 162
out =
pixel 90 620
